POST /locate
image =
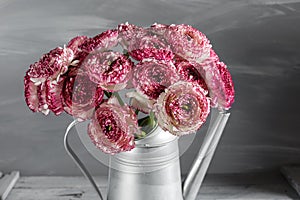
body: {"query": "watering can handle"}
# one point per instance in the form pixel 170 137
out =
pixel 195 177
pixel 76 159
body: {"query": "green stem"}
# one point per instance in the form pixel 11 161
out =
pixel 137 112
pixel 125 52
pixel 108 94
pixel 116 94
pixel 152 119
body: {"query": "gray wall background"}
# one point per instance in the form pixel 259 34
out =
pixel 258 39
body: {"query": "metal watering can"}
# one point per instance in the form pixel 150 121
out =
pixel 151 171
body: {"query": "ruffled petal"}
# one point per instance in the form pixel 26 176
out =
pixel 113 127
pixel 182 109
pixel 54 96
pixel 81 96
pixel 188 42
pixel 111 70
pixel 152 77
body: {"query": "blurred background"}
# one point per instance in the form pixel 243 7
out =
pixel 259 41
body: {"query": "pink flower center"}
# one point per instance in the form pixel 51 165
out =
pixel 182 108
pixel 108 124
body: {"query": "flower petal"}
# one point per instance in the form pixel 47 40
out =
pixel 140 102
pixel 81 96
pixel 54 96
pixel 182 109
pixel 188 42
pixel 111 70
pixel 151 77
pixel 113 127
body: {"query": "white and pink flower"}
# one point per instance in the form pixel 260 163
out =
pixel 51 65
pixel 54 95
pixel 35 96
pixel 81 96
pixel 144 43
pixel 100 42
pixel 152 77
pixel 140 102
pixel 127 32
pixel 149 45
pixel 188 42
pixel 76 42
pixel 159 29
pixel 188 72
pixel 226 98
pixel 111 70
pixel 182 108
pixel 113 127
pixel 218 81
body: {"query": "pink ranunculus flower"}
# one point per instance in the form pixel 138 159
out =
pixel 103 41
pixel 111 70
pixel 76 42
pixel 31 94
pixel 188 42
pixel 188 72
pixel 218 81
pixel 51 65
pixel 79 55
pixel 54 95
pixel 113 127
pixel 42 96
pixel 151 77
pixel 127 32
pixel 35 96
pixel 182 108
pixel 226 98
pixel 148 44
pixel 144 43
pixel 81 96
pixel 159 29
pixel 213 56
pixel 210 73
pixel 140 102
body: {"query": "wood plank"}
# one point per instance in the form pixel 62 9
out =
pixel 244 179
pixel 54 194
pixel 239 192
pixel 7 183
pixel 292 174
pixel 225 187
pixel 59 181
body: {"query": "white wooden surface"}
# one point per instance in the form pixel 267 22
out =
pixel 246 186
pixel 292 174
pixel 7 182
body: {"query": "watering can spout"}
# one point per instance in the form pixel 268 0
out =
pixel 194 179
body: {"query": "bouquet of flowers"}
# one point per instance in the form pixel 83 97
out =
pixel 169 75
